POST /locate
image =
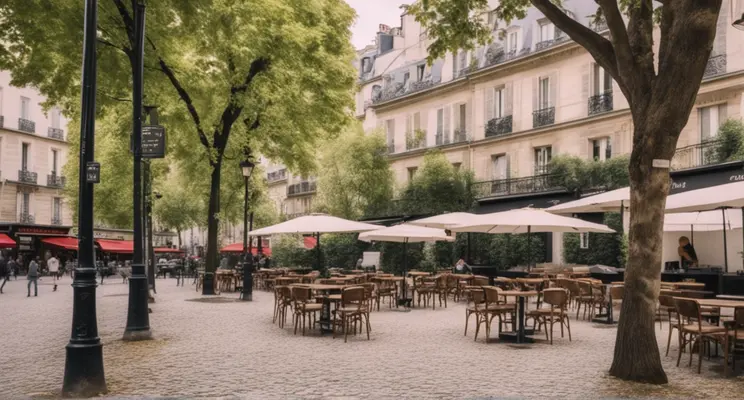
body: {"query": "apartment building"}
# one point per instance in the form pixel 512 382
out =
pixel 292 195
pixel 504 110
pixel 33 149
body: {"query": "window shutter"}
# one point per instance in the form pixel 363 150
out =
pixel 447 116
pixel 469 118
pixel 508 99
pixel 508 166
pixel 586 79
pixel 535 93
pixel 553 89
pixel 19 205
pixel 409 124
pixel 489 104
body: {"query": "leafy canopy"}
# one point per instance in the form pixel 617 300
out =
pixel 438 187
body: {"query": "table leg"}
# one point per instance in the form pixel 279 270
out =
pixel 325 317
pixel 609 309
pixel 520 315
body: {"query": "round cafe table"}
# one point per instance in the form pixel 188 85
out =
pixel 520 335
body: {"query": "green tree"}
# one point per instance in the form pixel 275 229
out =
pixel 604 248
pixel 660 87
pixel 437 187
pixel 342 250
pixel 355 178
pixel 730 146
pixel 287 251
pixel 177 208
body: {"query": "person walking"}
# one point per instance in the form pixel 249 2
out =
pixel 53 265
pixel 4 273
pixel 33 276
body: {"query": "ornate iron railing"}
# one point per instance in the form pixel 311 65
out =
pixel 27 176
pixel 26 218
pixel 600 103
pixel 55 180
pixel 26 125
pixel 56 133
pixel 415 140
pixel 544 44
pixel 56 220
pixel 716 66
pixel 460 135
pixel 514 186
pixel 391 147
pixel 441 139
pixel 543 117
pixel 276 176
pixel 499 126
pixel 301 188
pixel 697 155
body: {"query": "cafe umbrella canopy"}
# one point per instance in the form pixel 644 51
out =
pixel 444 221
pixel 406 233
pixel 315 224
pixel 529 220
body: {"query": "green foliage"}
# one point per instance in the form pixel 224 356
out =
pixel 391 256
pixel 437 187
pixel 577 174
pixel 342 250
pixel 355 178
pixel 604 248
pixel 287 251
pixel 730 140
pixel 415 139
pixel 502 251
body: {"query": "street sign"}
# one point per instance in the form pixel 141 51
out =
pixel 153 141
pixel 93 172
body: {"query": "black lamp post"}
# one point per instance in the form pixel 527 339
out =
pixel 247 295
pixel 84 375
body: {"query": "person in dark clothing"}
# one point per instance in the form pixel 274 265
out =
pixel 33 276
pixel 4 273
pixel 687 253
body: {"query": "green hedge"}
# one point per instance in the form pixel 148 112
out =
pixel 604 248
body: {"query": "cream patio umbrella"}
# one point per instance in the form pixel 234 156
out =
pixel 405 233
pixel 529 220
pixel 315 224
pixel 446 220
pixel 613 200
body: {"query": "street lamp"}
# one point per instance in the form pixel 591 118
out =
pixel 739 23
pixel 247 295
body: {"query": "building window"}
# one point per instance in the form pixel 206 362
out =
pixel 462 118
pixel 25 203
pixel 543 101
pixel 55 117
pixel 495 103
pixel 493 20
pixel 24 156
pixel 547 31
pixel 711 118
pixel 440 122
pixel 420 72
pixel 463 60
pixel 499 169
pixel 25 108
pixel 584 240
pixel 406 77
pixel 390 129
pixel 602 81
pixel 56 209
pixel 55 156
pixel 512 39
pixel 543 156
pixel 412 173
pixel 601 149
pixel 456 166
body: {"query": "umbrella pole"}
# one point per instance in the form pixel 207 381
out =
pixel 622 217
pixel 529 248
pixel 692 235
pixel 317 248
pixel 725 245
pixel 405 270
pixel 470 261
pixel 742 232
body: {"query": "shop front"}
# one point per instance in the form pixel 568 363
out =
pixel 28 240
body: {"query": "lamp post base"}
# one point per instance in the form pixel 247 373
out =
pixel 135 336
pixel 84 371
pixel 138 320
pixel 247 293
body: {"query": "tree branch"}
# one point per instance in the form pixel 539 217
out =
pixel 640 38
pixel 127 18
pixel 107 43
pixel 619 36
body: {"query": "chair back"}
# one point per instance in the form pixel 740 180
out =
pixel 667 301
pixel 687 308
pixel 353 297
pixel 476 296
pixel 301 294
pixel 480 281
pixel 617 292
pixel 585 288
pixel 492 294
pixel 739 318
pixel 693 294
pixel 556 297
pixel 671 293
pixel 452 282
pixel 573 287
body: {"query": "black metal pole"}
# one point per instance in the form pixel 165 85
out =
pixel 247 294
pixel 84 376
pixel 529 248
pixel 692 235
pixel 725 245
pixel 622 218
pixel 318 253
pixel 138 319
pixel 469 250
pixel 151 111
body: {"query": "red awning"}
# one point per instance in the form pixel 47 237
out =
pixel 6 241
pixel 116 246
pixel 167 250
pixel 238 248
pixel 66 242
pixel 310 242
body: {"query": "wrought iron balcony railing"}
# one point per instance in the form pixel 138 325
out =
pixel 515 186
pixel 55 180
pixel 441 139
pixel 544 44
pixel 27 176
pixel 415 140
pixel 277 176
pixel 461 135
pixel 697 155
pixel 26 125
pixel 599 26
pixel 543 117
pixel 301 188
pixel 26 218
pixel 600 103
pixel 391 147
pixel 499 126
pixel 716 66
pixel 56 133
pixel 56 220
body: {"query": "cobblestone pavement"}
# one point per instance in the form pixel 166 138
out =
pixel 232 350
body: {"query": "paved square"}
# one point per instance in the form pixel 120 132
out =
pixel 232 350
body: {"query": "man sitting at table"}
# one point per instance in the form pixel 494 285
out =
pixel 687 253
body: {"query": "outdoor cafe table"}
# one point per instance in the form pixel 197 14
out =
pixel 730 297
pixel 520 336
pixel 418 273
pixel 325 321
pixel 607 318
pixel 685 285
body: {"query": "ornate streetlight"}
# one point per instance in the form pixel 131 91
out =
pixel 247 294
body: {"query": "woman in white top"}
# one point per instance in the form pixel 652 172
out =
pixel 461 266
pixel 53 265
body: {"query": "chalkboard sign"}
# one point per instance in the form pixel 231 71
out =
pixel 93 172
pixel 153 141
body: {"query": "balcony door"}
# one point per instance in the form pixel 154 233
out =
pixel 499 173
pixel 543 155
pixel 602 81
pixel 711 118
pixel 24 156
pixel 55 160
pixel 56 210
pixel 25 108
pixel 543 100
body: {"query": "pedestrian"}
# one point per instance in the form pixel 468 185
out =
pixel 53 265
pixel 4 272
pixel 33 276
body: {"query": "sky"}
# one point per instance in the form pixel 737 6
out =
pixel 370 14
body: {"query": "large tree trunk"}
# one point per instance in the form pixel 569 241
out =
pixel 213 226
pixel 178 231
pixel 637 354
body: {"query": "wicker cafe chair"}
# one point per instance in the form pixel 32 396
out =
pixel 476 303
pixel 282 301
pixel 585 298
pixel 557 298
pixel 668 307
pixel 370 295
pixel 353 309
pixel 424 289
pixel 666 303
pixel 303 307
pixel 385 288
pixel 496 308
pixel 736 335
pixel 442 288
pixel 694 331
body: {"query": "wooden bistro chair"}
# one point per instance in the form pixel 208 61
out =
pixel 353 309
pixel 282 301
pixel 585 298
pixel 557 299
pixel 692 330
pixel 495 307
pixel 736 335
pixel 303 307
pixel 666 305
pixel 386 289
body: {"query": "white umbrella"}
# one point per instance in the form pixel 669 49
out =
pixel 315 224
pixel 614 200
pixel 405 234
pixel 444 221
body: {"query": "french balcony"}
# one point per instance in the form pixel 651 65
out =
pixel 441 139
pixel 302 188
pixel 26 218
pixel 391 147
pixel 56 133
pixel 54 180
pixel 517 186
pixel 698 155
pixel 600 103
pixel 461 135
pixel 26 176
pixel 716 66
pixel 415 140
pixel 56 220
pixel 499 126
pixel 543 117
pixel 26 125
pixel 544 44
pixel 277 176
